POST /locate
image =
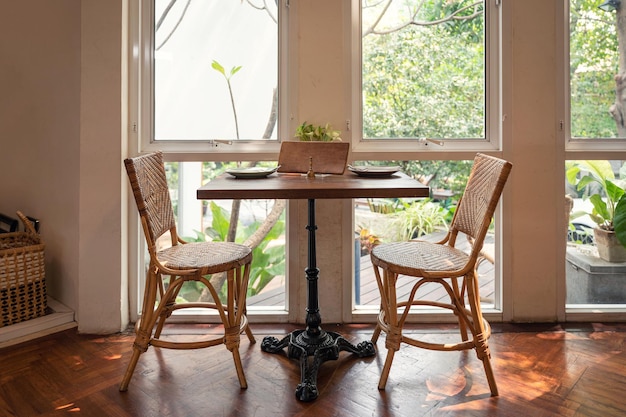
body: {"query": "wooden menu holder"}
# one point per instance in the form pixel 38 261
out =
pixel 327 157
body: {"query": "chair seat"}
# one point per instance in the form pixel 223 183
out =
pixel 206 257
pixel 416 258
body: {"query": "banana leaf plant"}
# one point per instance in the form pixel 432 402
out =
pixel 605 192
pixel 619 220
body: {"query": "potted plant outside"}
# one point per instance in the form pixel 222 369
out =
pixel 607 196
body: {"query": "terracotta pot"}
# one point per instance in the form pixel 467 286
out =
pixel 609 248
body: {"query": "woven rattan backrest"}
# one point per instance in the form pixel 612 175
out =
pixel 479 201
pixel 149 185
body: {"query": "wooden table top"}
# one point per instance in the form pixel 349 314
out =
pixel 298 186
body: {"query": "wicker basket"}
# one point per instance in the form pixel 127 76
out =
pixel 22 277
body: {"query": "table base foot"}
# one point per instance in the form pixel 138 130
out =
pixel 312 349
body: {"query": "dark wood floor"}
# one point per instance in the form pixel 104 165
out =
pixel 541 370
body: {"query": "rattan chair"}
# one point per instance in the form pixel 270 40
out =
pixel 183 262
pixel 442 263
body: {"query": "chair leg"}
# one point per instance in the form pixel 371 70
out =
pixel 491 379
pixel 169 307
pixel 241 290
pixel 239 367
pixel 137 351
pixel 249 334
pixel 237 283
pixel 460 303
pixel 144 332
pixel 376 333
pixel 382 382
pixel 392 328
pixel 480 337
pixel 383 302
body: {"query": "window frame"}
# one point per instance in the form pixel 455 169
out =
pixel 493 96
pixel 452 149
pixel 574 147
pixel 141 107
pixel 141 133
pixel 580 148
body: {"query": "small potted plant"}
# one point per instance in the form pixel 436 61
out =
pixel 311 133
pixel 607 196
pixel 317 150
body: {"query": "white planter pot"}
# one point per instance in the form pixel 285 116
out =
pixel 609 248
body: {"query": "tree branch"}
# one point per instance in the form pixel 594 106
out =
pixel 451 17
pixel 180 19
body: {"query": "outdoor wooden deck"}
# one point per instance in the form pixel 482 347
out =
pixel 368 290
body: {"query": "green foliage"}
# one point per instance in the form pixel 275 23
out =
pixel 383 205
pixel 268 258
pixel 449 175
pixel 234 70
pixel 594 57
pixel 267 261
pixel 464 25
pixel 619 221
pixel 607 192
pixel 418 218
pixel 219 68
pixel 428 80
pixel 424 82
pixel 219 223
pixel 310 133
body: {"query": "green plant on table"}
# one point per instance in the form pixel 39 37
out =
pixel 312 133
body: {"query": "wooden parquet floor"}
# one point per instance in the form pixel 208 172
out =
pixel 541 370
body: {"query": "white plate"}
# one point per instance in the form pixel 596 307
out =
pixel 252 172
pixel 374 171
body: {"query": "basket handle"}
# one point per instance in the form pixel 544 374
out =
pixel 27 224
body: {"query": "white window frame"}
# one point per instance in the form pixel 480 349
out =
pixel 577 148
pixel 141 139
pixel 580 148
pixel 141 134
pixel 452 149
pixel 142 102
pixel 493 96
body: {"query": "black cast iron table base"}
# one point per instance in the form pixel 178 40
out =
pixel 313 342
pixel 321 347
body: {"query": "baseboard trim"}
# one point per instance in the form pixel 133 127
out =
pixel 60 318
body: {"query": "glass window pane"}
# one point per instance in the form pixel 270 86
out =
pixel 595 260
pixel 595 109
pixel 210 220
pixel 215 70
pixel 387 220
pixel 423 69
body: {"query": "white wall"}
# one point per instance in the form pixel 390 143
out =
pixel 102 189
pixel 40 45
pixel 534 250
pixel 60 150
